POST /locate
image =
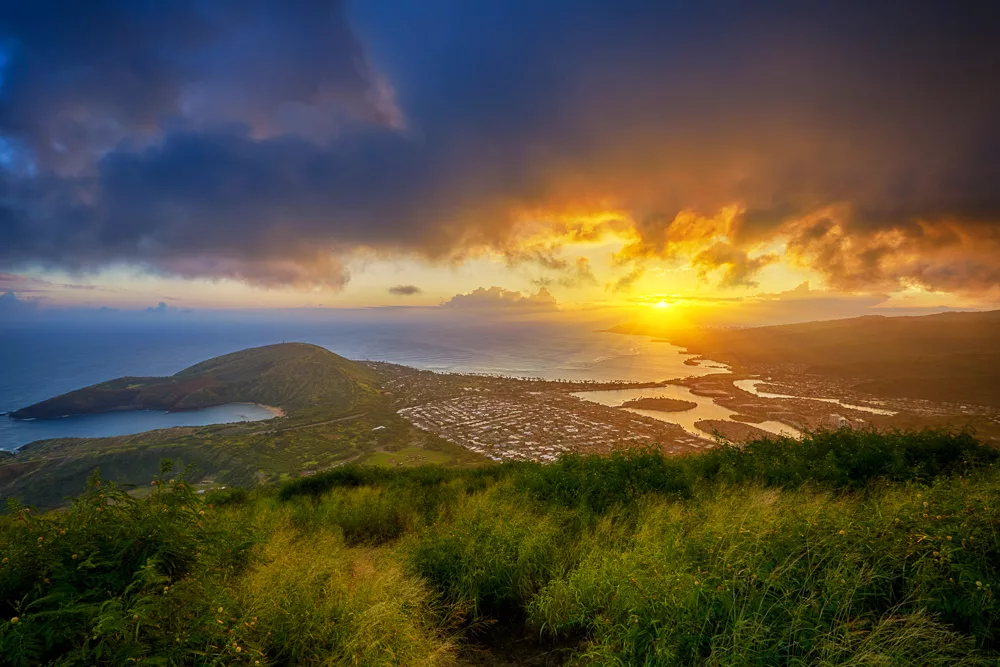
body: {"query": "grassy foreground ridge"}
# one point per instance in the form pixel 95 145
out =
pixel 846 548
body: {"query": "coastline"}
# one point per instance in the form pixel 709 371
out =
pixel 275 411
pixel 15 434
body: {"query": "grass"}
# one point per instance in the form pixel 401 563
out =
pixel 747 575
pixel 408 456
pixel 845 549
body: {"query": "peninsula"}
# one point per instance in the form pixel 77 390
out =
pixel 290 376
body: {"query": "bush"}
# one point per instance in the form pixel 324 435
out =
pixel 170 578
pixel 847 459
pixel 109 580
pixel 596 484
pixel 343 477
pixel 420 477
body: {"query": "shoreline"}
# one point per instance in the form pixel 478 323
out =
pixel 275 411
pixel 41 423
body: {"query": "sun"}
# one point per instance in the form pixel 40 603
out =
pixel 661 304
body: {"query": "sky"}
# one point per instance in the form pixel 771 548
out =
pixel 715 161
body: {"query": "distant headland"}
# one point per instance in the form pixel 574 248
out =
pixel 269 376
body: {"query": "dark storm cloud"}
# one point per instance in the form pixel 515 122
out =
pixel 84 76
pixel 258 141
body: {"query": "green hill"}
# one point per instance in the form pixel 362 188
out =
pixel 331 407
pixel 291 376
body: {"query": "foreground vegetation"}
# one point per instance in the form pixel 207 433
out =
pixel 845 548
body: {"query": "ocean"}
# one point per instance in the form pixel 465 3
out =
pixel 47 357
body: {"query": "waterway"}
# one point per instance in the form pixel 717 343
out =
pixel 17 432
pixel 706 409
pixel 750 386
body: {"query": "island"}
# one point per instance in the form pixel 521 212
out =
pixel 748 419
pixel 732 431
pixel 661 404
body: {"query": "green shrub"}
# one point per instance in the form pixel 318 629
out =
pixel 170 578
pixel 419 477
pixel 596 484
pixel 231 496
pixel 365 515
pixel 494 555
pixel 343 477
pixel 110 579
pixel 846 459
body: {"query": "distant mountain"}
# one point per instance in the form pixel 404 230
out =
pixel 291 376
pixel 945 357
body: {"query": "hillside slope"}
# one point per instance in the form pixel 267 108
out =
pixel 946 357
pixel 291 376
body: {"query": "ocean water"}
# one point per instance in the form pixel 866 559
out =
pixel 44 358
